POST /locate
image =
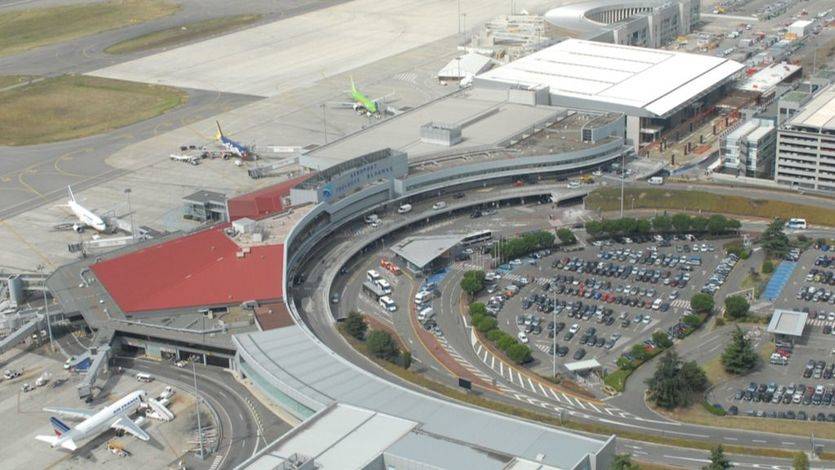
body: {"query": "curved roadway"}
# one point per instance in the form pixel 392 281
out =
pixel 313 306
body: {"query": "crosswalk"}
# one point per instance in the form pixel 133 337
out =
pixel 542 347
pixel 680 303
pixel 463 361
pixel 410 77
pixel 820 322
pixel 546 396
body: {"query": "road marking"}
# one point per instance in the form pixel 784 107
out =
pixel 787 443
pixel 730 439
pixel 544 392
pixel 760 441
pixel 533 387
pixel 556 397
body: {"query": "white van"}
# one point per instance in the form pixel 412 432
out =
pixel 385 285
pixel 373 276
pixel 143 377
pixel 656 180
pixel 426 314
pixel 405 208
pixel 388 304
pixel 423 297
pixel 657 304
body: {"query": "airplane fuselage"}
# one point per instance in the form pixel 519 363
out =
pixel 104 419
pixel 87 217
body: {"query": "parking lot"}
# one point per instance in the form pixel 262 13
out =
pixel 600 300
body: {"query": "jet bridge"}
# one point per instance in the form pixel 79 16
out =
pixel 101 356
pixel 10 341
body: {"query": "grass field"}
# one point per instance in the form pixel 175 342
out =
pixel 71 106
pixel 10 80
pixel 26 29
pixel 181 34
pixel 608 199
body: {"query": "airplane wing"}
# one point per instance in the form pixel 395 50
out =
pixel 383 99
pixel 71 412
pixel 127 425
pixel 341 104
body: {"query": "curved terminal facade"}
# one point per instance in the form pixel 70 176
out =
pixel 297 370
pixel 647 23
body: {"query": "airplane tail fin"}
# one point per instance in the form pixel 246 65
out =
pixel 72 196
pixel 59 426
pixel 219 132
pixel 353 86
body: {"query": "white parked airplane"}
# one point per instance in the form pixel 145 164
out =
pixel 86 217
pixel 115 416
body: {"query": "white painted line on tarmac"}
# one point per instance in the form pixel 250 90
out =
pixel 787 443
pixel 530 382
pixel 544 392
pixel 594 407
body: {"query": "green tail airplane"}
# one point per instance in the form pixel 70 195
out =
pixel 362 101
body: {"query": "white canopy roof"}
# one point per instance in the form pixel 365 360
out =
pixel 652 82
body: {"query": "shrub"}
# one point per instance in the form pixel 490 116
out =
pixel 693 321
pixel 702 303
pixel 495 334
pixel 768 267
pixel 355 325
pixel 505 342
pixel 473 282
pixel 713 409
pixel 477 308
pixel 485 324
pixel 381 344
pixel 519 353
pixel 736 306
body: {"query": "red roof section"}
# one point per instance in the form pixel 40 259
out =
pixel 201 269
pixel 263 202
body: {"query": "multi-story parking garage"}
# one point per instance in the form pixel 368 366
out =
pixel 806 145
pixel 647 23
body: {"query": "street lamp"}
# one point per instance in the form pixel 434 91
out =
pixel 197 397
pixel 130 210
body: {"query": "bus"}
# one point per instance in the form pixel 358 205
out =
pixel 477 237
pixel 796 224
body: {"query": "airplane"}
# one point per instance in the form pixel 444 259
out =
pixel 115 416
pixel 362 104
pixel 190 159
pixel 231 146
pixel 86 217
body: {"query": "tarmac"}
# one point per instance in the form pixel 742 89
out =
pixel 168 440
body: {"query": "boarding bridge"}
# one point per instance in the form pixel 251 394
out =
pixel 20 334
pixel 99 364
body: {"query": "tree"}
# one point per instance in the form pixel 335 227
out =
pixel 662 340
pixel 693 321
pixel 473 282
pixel 594 228
pixel 406 359
pixel 718 461
pixel 736 306
pixel 681 222
pixel 774 239
pixel 702 303
pixel 477 308
pixel 485 323
pixel 800 461
pixel 739 356
pixel 566 237
pixel 355 325
pixel 624 462
pixel 698 224
pixel 674 382
pixel 381 344
pixel 662 223
pixel 505 342
pixel 638 352
pixel 519 353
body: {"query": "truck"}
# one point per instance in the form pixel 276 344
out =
pixel 656 180
pixel 390 266
pixel 373 290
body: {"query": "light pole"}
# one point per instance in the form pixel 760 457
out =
pixel 197 397
pixel 324 124
pixel 48 323
pixel 130 210
pixel 554 332
pixel 622 175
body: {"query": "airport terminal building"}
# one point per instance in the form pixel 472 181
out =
pixel 657 90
